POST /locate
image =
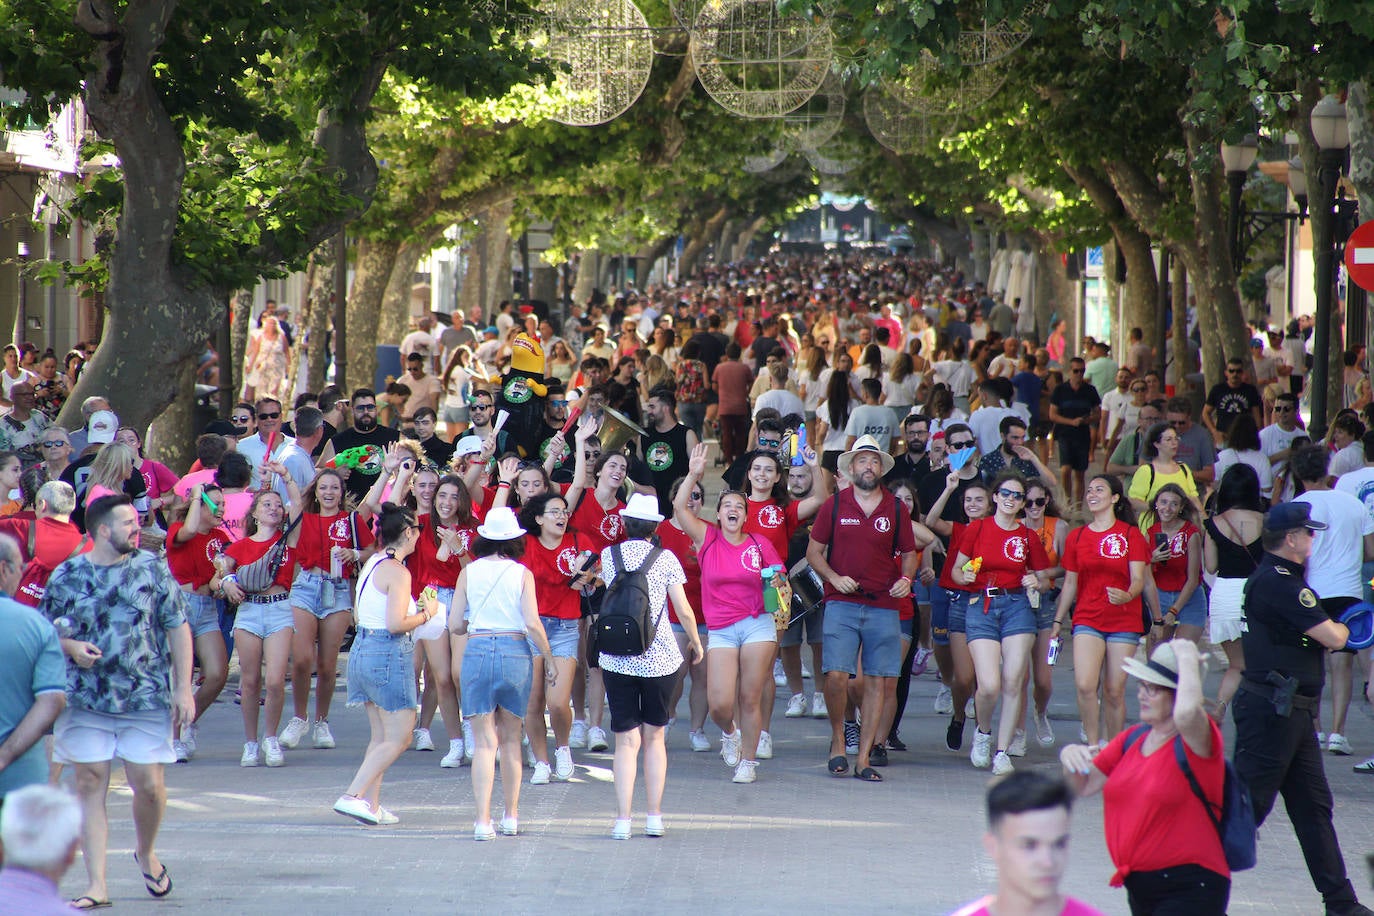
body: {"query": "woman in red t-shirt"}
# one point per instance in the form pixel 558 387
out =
pixel 999 622
pixel 1044 520
pixel 192 547
pixel 679 543
pixel 327 545
pixel 562 565
pixel 441 552
pixel 1175 566
pixel 1160 836
pixel 263 624
pixel 1104 574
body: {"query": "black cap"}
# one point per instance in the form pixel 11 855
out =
pixel 220 428
pixel 1287 516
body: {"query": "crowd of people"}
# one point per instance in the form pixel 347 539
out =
pixel 918 483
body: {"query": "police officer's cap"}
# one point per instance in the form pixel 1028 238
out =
pixel 1287 516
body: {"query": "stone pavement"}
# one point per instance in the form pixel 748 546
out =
pixel 265 840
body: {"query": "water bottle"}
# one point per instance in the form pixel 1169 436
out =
pixel 1054 651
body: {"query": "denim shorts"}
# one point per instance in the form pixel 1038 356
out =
pixel 746 631
pixel 262 620
pixel 851 628
pixel 321 595
pixel 702 631
pixel 381 670
pixel 202 613
pixel 1006 615
pixel 812 623
pixel 1192 614
pixel 921 592
pixel 1049 601
pixel 908 627
pixel 946 613
pixel 1080 629
pixel 562 633
pixel 497 671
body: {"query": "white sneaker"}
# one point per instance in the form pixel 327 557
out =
pixel 653 825
pixel 385 818
pixel 356 808
pixel 528 752
pixel 578 736
pixel 621 830
pixel 509 827
pixel 596 739
pixel 806 672
pixel 779 676
pixel 981 755
pixel 1044 733
pixel 1338 744
pixel 944 701
pixel 271 752
pixel 1017 748
pixel 818 710
pixel 321 736
pixel 188 738
pixel 423 740
pixel 744 772
pixel 483 832
pixel 969 710
pixel 765 751
pixel 562 764
pixel 454 758
pixel 1001 764
pixel 541 774
pixel 250 754
pixel 1321 741
pixel 796 707
pixel 699 741
pixel 729 749
pixel 469 742
pixel 293 733
pixel 179 748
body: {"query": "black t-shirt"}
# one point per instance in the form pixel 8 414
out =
pixel 761 347
pixel 437 451
pixel 929 490
pixel 905 469
pixel 543 434
pixel 624 398
pixel 359 482
pixel 1279 610
pixel 1073 404
pixel 664 461
pixel 712 349
pixel 1227 403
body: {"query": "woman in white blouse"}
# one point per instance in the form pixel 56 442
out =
pixel 494 618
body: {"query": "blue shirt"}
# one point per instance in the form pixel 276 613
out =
pixel 1028 386
pixel 31 663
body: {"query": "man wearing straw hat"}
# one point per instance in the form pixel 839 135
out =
pixel 863 548
pixel 1275 709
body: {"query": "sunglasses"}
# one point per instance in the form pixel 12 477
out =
pixel 967 443
pixel 1038 501
pixel 1137 389
pixel 481 406
pixel 591 456
pixel 246 418
pixel 769 443
pixel 269 416
pixel 1011 494
pixel 559 403
pixel 1277 409
pixel 53 443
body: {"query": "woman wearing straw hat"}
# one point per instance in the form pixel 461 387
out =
pixel 495 608
pixel 638 687
pixel 1161 838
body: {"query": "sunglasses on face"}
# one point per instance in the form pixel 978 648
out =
pixel 769 443
pixel 967 443
pixel 1011 494
pixel 1278 409
pixel 53 443
pixel 558 403
pixel 245 418
pixel 1038 501
pixel 591 456
pixel 269 416
pixel 482 406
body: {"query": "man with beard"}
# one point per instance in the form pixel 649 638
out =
pixel 863 548
pixel 914 463
pixel 364 431
pixel 482 412
pixel 1012 453
pixel 664 449
pixel 123 621
pixel 800 482
pixel 550 424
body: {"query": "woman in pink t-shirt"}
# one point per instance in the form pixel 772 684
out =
pixel 743 638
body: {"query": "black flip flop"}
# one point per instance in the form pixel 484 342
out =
pixel 154 883
pixel 837 765
pixel 87 902
pixel 868 774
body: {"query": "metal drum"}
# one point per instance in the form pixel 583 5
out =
pixel 808 591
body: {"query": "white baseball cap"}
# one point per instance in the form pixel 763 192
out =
pixel 102 427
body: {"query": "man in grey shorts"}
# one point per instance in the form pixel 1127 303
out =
pixel 800 480
pixel 123 622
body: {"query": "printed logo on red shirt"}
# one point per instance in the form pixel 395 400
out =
pixel 213 548
pixel 771 516
pixel 1113 546
pixel 1178 544
pixel 883 524
pixel 612 527
pixel 752 558
pixel 339 530
pixel 566 560
pixel 1015 549
pixel 464 540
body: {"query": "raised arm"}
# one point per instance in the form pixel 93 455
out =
pixel 694 527
pixel 809 506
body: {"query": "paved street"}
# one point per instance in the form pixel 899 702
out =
pixel 798 840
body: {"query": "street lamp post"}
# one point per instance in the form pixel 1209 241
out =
pixel 1237 158
pixel 1332 134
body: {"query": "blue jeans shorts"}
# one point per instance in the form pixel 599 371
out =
pixel 262 620
pixel 202 613
pixel 1006 615
pixel 851 628
pixel 743 632
pixel 702 632
pixel 1044 618
pixel 321 595
pixel 1193 614
pixel 381 670
pixel 946 613
pixel 497 671
pixel 562 633
pixel 1080 629
pixel 908 627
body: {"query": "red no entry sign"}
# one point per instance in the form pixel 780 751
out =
pixel 1359 256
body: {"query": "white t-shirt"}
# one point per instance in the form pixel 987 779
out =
pixel 956 374
pixel 870 420
pixel 1002 366
pixel 1274 439
pixel 1333 569
pixel 1115 404
pixel 421 342
pixel 1257 460
pixel 986 423
pixel 1359 484
pixel 494 586
pixel 1350 458
pixel 834 436
pixel 781 400
pixel 24 376
pixel 903 393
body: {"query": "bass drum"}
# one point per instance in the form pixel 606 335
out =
pixel 808 591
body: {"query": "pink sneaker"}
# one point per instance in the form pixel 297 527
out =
pixel 920 661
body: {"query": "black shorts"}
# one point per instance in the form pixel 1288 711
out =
pixel 1073 450
pixel 637 701
pixel 1334 608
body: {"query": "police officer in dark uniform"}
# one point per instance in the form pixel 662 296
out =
pixel 1276 744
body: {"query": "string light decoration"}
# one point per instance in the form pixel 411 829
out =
pixel 895 125
pixel 819 118
pixel 756 62
pixel 767 162
pixel 608 51
pixel 991 42
pixel 929 88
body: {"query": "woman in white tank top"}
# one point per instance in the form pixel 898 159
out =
pixel 493 619
pixel 379 664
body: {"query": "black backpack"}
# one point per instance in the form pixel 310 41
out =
pixel 626 625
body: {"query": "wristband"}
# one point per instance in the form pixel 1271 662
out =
pixel 504 483
pixel 904 578
pixel 1058 621
pixel 230 578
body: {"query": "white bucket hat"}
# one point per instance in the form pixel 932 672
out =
pixel 865 443
pixel 501 525
pixel 642 506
